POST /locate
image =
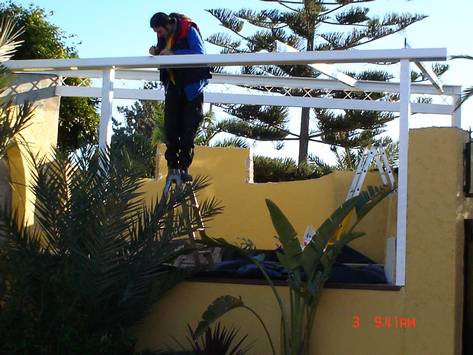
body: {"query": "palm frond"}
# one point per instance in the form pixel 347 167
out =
pixel 8 38
pixel 237 142
pixel 467 94
pixel 218 340
pixel 13 120
pixel 463 56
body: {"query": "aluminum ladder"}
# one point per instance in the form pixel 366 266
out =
pixel 191 216
pixel 378 154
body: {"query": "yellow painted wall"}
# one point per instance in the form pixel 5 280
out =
pixel 245 214
pixel 38 139
pixel 433 291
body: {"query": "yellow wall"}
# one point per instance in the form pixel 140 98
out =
pixel 245 214
pixel 433 291
pixel 37 139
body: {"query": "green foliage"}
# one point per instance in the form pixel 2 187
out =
pixel 308 268
pixel 236 142
pixel 217 341
pixel 139 150
pixel 348 159
pixel 141 132
pixel 283 169
pixel 224 304
pixel 41 39
pixel 94 262
pixel 209 129
pixel 78 119
pixel 12 122
pixel 145 117
pixel 256 122
pixel 220 306
pixel 301 24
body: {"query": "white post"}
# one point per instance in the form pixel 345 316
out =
pixel 457 115
pixel 105 127
pixel 405 112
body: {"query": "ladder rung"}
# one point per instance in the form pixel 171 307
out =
pixel 190 214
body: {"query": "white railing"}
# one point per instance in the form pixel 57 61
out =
pixel 132 68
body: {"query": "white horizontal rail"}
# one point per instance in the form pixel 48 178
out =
pixel 271 81
pixel 239 59
pixel 326 84
pixel 265 100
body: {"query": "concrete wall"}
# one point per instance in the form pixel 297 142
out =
pixel 432 295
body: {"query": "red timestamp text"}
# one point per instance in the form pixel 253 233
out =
pixel 384 322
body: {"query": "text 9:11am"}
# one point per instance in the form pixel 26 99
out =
pixel 384 322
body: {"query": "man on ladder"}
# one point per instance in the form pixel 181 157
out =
pixel 183 112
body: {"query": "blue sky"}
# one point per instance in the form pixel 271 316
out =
pixel 108 28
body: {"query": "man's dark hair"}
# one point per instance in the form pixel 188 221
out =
pixel 160 19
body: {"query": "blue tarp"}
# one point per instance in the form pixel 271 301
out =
pixel 235 267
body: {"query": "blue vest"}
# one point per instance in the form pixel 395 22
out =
pixel 183 76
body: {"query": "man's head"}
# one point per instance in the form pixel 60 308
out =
pixel 162 24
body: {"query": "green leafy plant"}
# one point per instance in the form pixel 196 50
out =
pixel 217 341
pixel 308 269
pixel 268 169
pixel 93 263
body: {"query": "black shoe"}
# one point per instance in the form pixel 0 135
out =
pixel 185 176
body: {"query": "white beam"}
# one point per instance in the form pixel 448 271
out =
pixel 297 101
pixel 323 68
pixel 265 100
pixel 270 81
pixel 457 114
pixel 239 59
pixel 324 84
pixel 402 188
pixel 105 126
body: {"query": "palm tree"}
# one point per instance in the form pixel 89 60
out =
pixel 95 261
pixel 468 92
pixel 12 120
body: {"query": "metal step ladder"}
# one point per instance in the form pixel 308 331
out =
pixel 191 217
pixel 378 154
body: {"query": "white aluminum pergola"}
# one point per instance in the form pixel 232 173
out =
pixel 135 68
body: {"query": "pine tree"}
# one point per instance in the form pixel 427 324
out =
pixel 299 23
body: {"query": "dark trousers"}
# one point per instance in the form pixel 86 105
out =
pixel 181 122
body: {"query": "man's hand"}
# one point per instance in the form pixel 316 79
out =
pixel 166 52
pixel 153 50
